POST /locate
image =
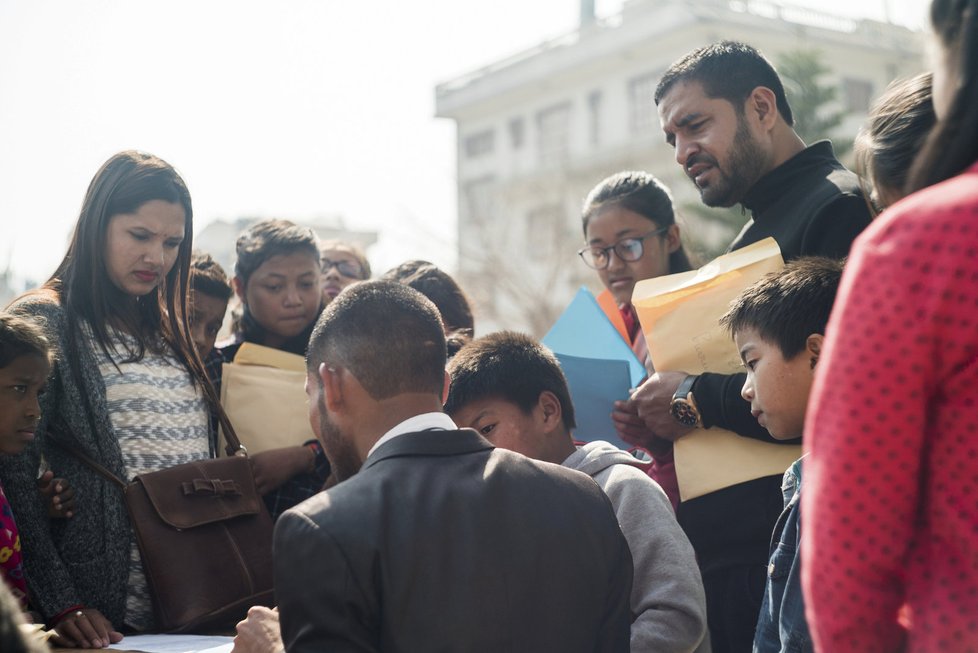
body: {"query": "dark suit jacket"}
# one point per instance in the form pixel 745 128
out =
pixel 443 543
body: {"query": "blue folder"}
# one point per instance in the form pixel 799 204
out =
pixel 600 367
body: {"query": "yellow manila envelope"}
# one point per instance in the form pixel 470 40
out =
pixel 680 316
pixel 263 393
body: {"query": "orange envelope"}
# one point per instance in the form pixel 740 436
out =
pixel 680 319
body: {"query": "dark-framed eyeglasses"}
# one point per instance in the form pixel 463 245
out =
pixel 626 249
pixel 346 268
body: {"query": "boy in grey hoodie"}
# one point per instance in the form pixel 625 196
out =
pixel 511 390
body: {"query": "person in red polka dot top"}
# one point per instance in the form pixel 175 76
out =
pixel 890 509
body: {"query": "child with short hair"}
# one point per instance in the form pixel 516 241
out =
pixel 211 291
pixel 25 362
pixel 778 325
pixel 511 390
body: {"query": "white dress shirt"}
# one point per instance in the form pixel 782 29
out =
pixel 422 422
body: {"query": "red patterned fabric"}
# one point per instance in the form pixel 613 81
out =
pixel 890 507
pixel 11 569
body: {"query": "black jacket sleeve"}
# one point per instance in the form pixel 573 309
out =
pixel 720 404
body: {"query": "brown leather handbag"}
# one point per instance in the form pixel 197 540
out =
pixel 205 538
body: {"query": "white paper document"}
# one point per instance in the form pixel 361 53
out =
pixel 175 644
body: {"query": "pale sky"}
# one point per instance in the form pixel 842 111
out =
pixel 294 108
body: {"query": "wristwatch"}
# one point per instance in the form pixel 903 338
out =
pixel 683 407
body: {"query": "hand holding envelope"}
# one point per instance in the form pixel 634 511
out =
pixel 680 319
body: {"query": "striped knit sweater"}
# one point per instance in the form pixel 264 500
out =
pixel 84 560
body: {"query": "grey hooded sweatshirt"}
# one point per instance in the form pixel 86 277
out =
pixel 668 602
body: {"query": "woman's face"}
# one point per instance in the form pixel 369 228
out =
pixel 614 224
pixel 340 269
pixel 283 295
pixel 141 247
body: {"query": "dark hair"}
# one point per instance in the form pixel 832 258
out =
pixel 208 277
pixel 389 336
pixel 21 337
pixel 269 238
pixel 729 70
pixel 509 366
pixel 953 143
pixel 455 340
pixel 438 286
pixel 787 306
pixel 353 249
pixel 642 193
pixel 122 185
pixel 256 245
pixel 899 122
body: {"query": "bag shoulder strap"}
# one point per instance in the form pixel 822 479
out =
pixel 72 447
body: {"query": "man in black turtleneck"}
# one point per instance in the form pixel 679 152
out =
pixel 724 111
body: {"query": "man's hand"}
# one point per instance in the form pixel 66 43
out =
pixel 651 400
pixel 259 632
pixel 274 467
pixel 85 628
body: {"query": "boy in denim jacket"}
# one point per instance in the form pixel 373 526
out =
pixel 778 325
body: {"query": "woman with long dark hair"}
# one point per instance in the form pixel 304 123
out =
pixel 890 526
pixel 128 389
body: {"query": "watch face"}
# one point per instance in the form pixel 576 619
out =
pixel 684 413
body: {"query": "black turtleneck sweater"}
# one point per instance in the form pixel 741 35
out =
pixel 812 206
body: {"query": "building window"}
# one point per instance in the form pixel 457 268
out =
pixel 479 144
pixel 641 103
pixel 594 118
pixel 553 129
pixel 480 200
pixel 544 241
pixel 516 133
pixel 858 93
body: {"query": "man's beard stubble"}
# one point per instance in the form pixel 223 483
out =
pixel 744 167
pixel 343 459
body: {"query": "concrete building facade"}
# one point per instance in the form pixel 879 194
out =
pixel 536 131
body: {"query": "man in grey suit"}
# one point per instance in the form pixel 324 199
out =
pixel 433 540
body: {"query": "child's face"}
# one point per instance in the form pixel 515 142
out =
pixel 338 268
pixel 283 295
pixel 207 318
pixel 504 424
pixel 776 388
pixel 614 224
pixel 21 382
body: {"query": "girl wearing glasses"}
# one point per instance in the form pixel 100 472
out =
pixel 343 264
pixel 631 234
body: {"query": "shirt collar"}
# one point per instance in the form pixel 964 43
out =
pixel 422 422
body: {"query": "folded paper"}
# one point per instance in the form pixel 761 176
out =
pixel 599 365
pixel 263 393
pixel 597 385
pixel 680 316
